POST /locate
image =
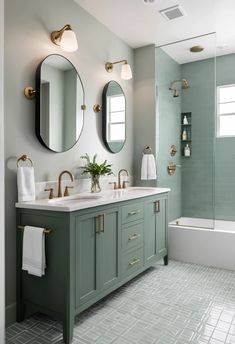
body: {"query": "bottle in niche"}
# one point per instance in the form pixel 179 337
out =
pixel 185 120
pixel 184 135
pixel 187 151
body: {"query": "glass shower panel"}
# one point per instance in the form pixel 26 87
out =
pixel 186 111
pixel 225 138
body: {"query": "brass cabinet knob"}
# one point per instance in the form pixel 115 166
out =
pixel 51 194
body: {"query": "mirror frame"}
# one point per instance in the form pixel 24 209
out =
pixel 104 117
pixel 38 107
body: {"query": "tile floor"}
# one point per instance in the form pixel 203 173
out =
pixel 178 304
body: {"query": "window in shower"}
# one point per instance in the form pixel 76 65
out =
pixel 226 111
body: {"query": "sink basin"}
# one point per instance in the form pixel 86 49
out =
pixel 74 198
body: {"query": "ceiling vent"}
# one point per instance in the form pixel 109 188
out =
pixel 173 12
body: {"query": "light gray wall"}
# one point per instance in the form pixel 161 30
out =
pixel 144 107
pixel 198 170
pixel 2 222
pixel 28 26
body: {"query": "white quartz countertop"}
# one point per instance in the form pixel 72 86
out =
pixel 88 200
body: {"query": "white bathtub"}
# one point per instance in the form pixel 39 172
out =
pixel 203 241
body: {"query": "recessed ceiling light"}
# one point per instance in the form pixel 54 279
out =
pixel 196 49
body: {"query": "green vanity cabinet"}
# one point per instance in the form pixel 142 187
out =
pixel 97 253
pixel 155 238
pixel 90 253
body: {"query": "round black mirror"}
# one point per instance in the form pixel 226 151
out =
pixel 114 117
pixel 59 103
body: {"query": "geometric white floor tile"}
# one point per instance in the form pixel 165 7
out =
pixel 175 304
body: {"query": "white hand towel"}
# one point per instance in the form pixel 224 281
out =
pixel 26 184
pixel 148 167
pixel 34 260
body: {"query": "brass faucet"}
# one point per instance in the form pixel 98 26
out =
pixel 122 185
pixel 59 182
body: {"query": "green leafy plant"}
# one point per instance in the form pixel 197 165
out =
pixel 95 169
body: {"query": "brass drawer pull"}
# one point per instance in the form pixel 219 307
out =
pixel 157 206
pixel 134 261
pixel 99 224
pixel 133 237
pixel 134 212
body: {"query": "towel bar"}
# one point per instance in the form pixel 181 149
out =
pixel 46 230
pixel 24 157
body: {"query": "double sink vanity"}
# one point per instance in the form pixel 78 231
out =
pixel 94 244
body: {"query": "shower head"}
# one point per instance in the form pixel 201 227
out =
pixel 175 93
pixel 185 85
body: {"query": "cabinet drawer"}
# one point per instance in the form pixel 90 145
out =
pixel 132 212
pixel 131 262
pixel 132 236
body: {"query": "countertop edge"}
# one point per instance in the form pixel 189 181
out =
pixel 94 203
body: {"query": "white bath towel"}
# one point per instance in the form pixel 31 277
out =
pixel 26 183
pixel 34 260
pixel 148 167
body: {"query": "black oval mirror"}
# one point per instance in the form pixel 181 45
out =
pixel 114 117
pixel 59 100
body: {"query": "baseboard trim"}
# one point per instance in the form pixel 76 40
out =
pixel 10 314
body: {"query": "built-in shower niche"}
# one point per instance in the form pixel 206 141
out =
pixel 186 134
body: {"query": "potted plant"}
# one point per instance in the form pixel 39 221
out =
pixel 95 170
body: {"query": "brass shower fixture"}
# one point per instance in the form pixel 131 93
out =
pixel 185 86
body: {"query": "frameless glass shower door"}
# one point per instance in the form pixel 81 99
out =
pixel 225 138
pixel 185 83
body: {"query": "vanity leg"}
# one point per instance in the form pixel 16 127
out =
pixel 68 330
pixel 165 260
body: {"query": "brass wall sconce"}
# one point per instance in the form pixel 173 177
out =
pixel 126 72
pixel 29 92
pixel 65 38
pixel 97 108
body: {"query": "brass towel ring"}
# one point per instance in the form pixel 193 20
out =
pixel 24 157
pixel 147 150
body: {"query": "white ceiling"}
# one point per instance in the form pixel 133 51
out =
pixel 139 24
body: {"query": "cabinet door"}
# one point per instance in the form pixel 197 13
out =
pixel 109 249
pixel 155 241
pixel 97 253
pixel 86 264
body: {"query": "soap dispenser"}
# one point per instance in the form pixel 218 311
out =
pixel 184 135
pixel 187 151
pixel 185 120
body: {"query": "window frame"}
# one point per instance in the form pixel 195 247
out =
pixel 218 115
pixel 110 123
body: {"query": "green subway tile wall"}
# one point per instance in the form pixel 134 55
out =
pixel 168 128
pixel 198 170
